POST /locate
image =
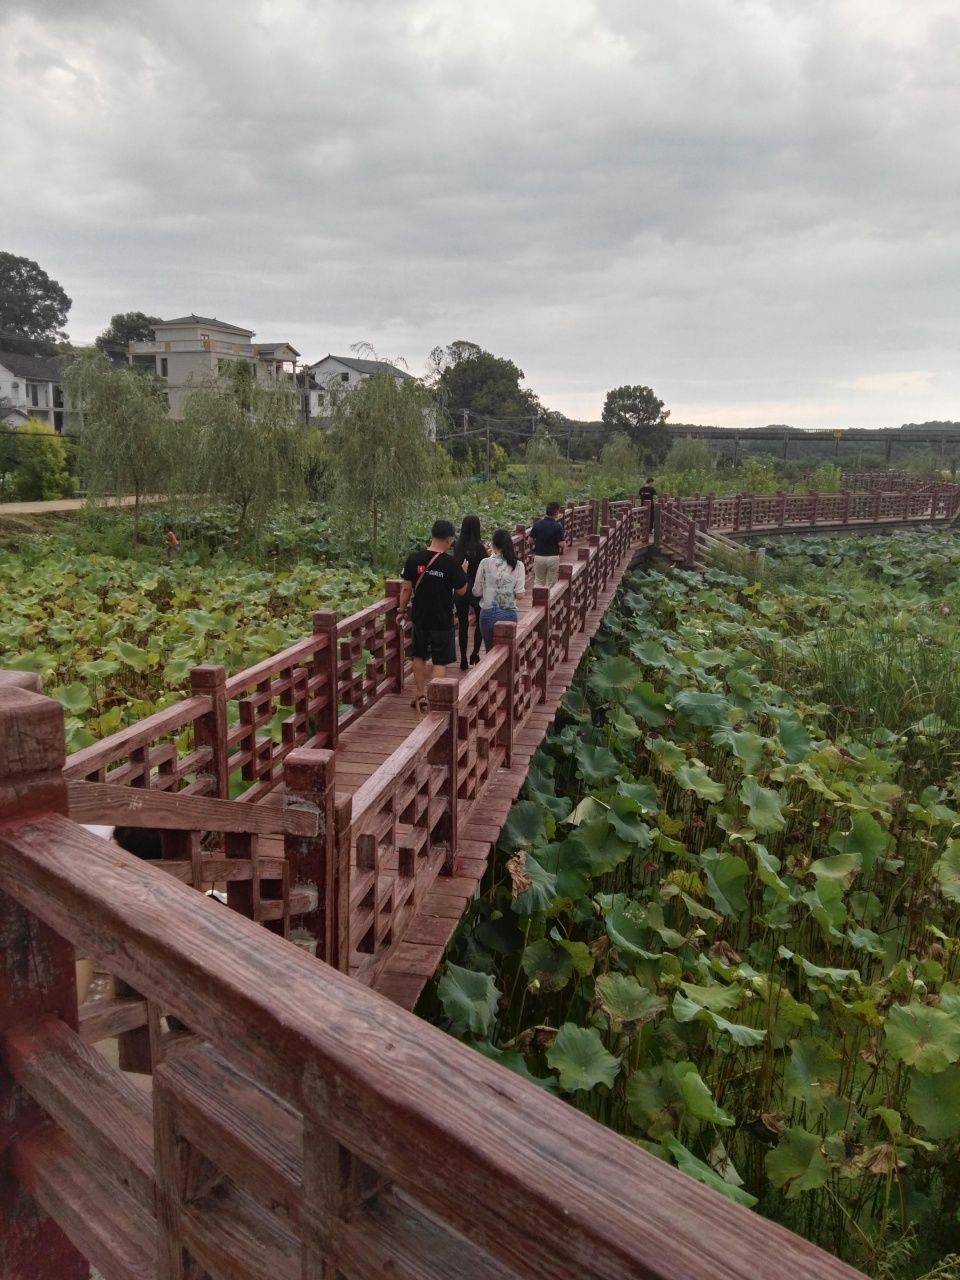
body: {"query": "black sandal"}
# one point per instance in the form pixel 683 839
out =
pixel 474 659
pixel 420 705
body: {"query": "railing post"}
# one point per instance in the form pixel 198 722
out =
pixel 710 501
pixel 566 575
pixel 210 680
pixel 781 509
pixel 317 867
pixel 814 506
pixel 604 544
pixel 541 600
pixel 505 633
pixel 655 531
pixel 736 513
pixel 443 697
pixel 392 588
pixel 37 973
pixel 877 499
pixel 845 514
pixel 328 661
pixel 692 543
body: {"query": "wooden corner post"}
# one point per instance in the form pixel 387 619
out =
pixel 392 587
pixel 319 869
pixel 505 633
pixel 37 974
pixel 327 660
pixel 210 680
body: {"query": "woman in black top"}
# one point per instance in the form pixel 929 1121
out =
pixel 468 551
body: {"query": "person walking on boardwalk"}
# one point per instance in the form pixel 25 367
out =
pixel 548 539
pixel 648 494
pixel 500 579
pixel 468 552
pixel 431 579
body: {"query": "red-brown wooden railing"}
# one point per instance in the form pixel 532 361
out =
pixel 309 1130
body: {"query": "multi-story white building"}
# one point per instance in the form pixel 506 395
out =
pixel 323 382
pixel 191 351
pixel 30 387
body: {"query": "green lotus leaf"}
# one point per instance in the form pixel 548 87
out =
pixel 866 837
pixel 685 1010
pixel 812 1073
pixel 745 745
pixel 698 780
pixel 841 866
pixel 606 849
pixel 613 676
pixel 139 659
pixel 923 1037
pixel 514 1062
pixel 629 826
pixel 525 827
pixel 652 1094
pixel 547 965
pixel 797 1164
pixel 763 806
pixel 709 709
pixel 794 738
pixel 75 697
pixel 716 998
pixel 641 797
pixel 596 764
pixel 625 923
pixel 947 871
pixel 727 878
pixel 542 891
pixel 697 1098
pixel 646 704
pixel 469 1000
pixel 689 1164
pixel 933 1102
pixel 625 1001
pixel 768 866
pixel 97 669
pixel 580 1060
pixel 571 864
pixel 625 728
pixel 666 753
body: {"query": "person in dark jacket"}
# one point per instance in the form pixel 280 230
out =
pixel 548 539
pixel 468 551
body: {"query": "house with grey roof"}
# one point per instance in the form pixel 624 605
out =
pixel 324 381
pixel 191 351
pixel 30 387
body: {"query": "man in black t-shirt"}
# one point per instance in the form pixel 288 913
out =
pixel 648 493
pixel 548 538
pixel 431 579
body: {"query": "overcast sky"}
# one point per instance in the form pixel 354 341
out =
pixel 752 206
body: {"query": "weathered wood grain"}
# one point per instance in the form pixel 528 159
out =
pixel 103 803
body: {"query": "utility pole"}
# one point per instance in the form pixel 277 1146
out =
pixel 466 419
pixel 488 450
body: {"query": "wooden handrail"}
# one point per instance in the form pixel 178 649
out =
pixel 100 803
pixel 488 1154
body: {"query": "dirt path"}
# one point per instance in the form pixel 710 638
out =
pixel 61 504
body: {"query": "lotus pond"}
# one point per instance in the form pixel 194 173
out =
pixel 723 917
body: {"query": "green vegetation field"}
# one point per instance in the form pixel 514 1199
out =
pixel 723 918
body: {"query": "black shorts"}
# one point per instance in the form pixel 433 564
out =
pixel 434 646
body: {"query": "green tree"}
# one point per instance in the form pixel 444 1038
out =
pixel 488 387
pixel 33 308
pixel 41 472
pixel 619 462
pixel 243 443
pixel 545 465
pixel 641 415
pixel 127 443
pixel 381 456
pixel 125 327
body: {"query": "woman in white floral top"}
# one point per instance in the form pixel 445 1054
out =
pixel 500 579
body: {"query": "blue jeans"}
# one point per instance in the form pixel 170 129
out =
pixel 489 619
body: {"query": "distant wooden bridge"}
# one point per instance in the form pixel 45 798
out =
pixel 312 1128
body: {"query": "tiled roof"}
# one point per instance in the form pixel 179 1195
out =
pixel 367 366
pixel 40 368
pixel 210 320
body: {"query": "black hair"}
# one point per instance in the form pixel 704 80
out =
pixel 142 842
pixel 442 529
pixel 649 479
pixel 470 540
pixel 553 508
pixel 503 541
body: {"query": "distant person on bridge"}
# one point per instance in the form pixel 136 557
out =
pixel 431 579
pixel 468 552
pixel 500 579
pixel 648 494
pixel 548 539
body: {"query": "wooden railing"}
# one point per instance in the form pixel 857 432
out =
pixel 305 1127
pixel 866 502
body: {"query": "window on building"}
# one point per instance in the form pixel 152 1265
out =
pixel 34 394
pixel 58 423
pixel 344 377
pixel 163 366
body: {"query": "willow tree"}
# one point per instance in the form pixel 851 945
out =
pixel 382 457
pixel 243 444
pixel 127 446
pixel 544 464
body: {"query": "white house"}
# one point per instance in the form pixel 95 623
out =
pixel 326 380
pixel 190 351
pixel 30 387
